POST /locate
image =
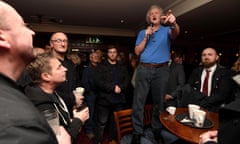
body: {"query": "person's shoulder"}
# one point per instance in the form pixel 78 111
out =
pixel 196 72
pixel 36 95
pixel 222 67
pixel 223 70
pixel 67 62
pixel 198 69
pixel 142 31
pixel 87 66
pixel 103 63
pixel 17 105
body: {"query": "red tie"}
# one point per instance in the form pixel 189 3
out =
pixel 205 83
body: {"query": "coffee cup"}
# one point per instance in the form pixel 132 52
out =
pixel 79 91
pixel 80 103
pixel 171 110
pixel 191 108
pixel 199 117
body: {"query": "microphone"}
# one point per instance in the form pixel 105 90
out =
pixel 151 25
pixel 149 35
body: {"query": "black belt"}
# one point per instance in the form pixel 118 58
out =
pixel 154 65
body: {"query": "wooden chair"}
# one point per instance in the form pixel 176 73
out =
pixel 123 120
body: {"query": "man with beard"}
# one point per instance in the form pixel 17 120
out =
pixel 218 84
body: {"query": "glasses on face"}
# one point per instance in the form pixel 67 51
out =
pixel 60 41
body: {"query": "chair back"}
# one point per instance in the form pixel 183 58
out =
pixel 123 120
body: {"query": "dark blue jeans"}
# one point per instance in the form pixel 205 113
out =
pixel 154 79
pixel 90 124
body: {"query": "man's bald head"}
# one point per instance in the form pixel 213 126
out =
pixel 5 15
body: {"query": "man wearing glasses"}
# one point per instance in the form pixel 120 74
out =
pixel 59 45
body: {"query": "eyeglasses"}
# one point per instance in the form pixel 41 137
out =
pixel 60 41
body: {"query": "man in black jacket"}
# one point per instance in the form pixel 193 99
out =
pixel 175 81
pixel 218 88
pixel 59 45
pixel 47 73
pixel 229 125
pixel 90 92
pixel 111 79
pixel 20 122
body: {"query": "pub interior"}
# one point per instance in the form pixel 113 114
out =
pixel 208 23
pixel 203 23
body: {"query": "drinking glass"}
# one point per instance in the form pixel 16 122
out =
pixel 51 115
pixel 191 108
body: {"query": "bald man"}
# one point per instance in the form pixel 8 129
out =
pixel 218 84
pixel 59 46
pixel 20 122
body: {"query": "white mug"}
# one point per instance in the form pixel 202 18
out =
pixel 199 117
pixel 191 108
pixel 171 110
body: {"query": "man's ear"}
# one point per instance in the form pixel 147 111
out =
pixel 45 76
pixel 50 44
pixel 3 41
pixel 217 58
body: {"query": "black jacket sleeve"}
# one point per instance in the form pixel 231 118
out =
pixel 74 128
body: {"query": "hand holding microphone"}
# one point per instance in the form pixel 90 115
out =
pixel 149 31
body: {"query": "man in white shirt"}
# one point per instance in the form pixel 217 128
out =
pixel 218 86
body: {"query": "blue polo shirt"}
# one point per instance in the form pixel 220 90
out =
pixel 157 49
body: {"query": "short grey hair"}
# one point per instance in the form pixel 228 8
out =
pixel 148 12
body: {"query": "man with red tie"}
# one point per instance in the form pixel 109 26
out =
pixel 209 85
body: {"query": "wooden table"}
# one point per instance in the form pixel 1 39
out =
pixel 187 133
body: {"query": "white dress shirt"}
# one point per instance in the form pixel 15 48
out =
pixel 212 70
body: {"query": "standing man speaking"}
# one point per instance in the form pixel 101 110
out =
pixel 153 47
